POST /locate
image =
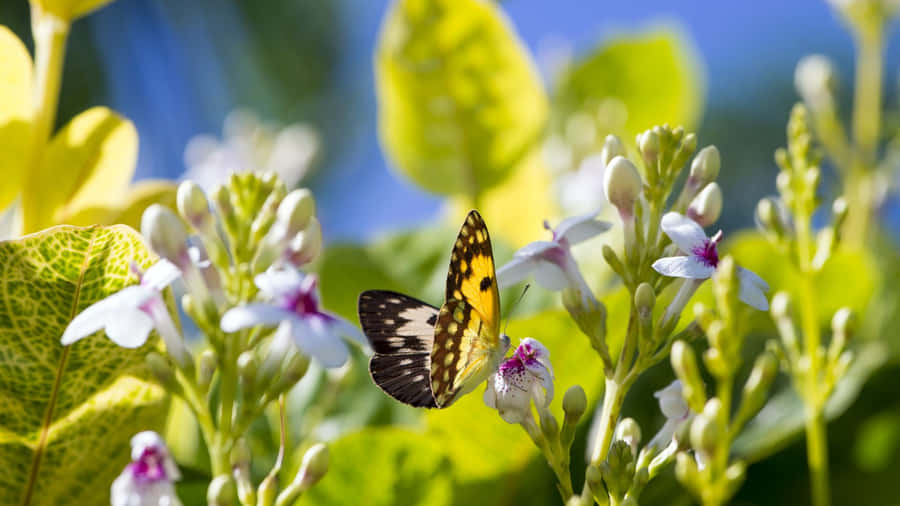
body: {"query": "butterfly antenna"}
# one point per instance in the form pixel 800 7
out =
pixel 514 306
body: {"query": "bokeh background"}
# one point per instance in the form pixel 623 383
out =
pixel 180 69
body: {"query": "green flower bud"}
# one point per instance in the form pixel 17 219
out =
pixel 294 370
pixel 844 321
pixel 313 467
pixel 240 465
pixel 574 403
pixel 206 368
pixel 220 491
pixel 816 81
pixel 622 185
pixel 162 371
pixel 686 471
pixel 594 478
pixel 685 150
pixel 684 362
pixel 649 144
pixel 705 167
pixel 613 260
pixel 734 477
pixel 166 234
pixel 247 368
pixel 756 389
pixel 705 433
pixel 295 211
pixel 706 207
pixel 193 205
pixel 589 314
pixel 644 300
pixel 781 305
pixel 268 489
pixel 629 431
pixel 549 425
pixel 612 147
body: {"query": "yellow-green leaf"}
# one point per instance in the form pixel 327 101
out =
pixel 67 413
pixel 460 102
pixel 138 197
pixel 69 9
pixel 654 75
pixel 15 114
pixel 89 163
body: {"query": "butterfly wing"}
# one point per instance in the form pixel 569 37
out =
pixel 467 344
pixel 401 332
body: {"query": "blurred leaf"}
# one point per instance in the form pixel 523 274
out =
pixel 654 75
pixel 878 442
pixel 67 412
pixel 517 208
pixel 70 9
pixel 849 278
pixel 138 197
pixel 88 163
pixel 384 467
pixel 15 114
pixel 460 102
pixel 783 416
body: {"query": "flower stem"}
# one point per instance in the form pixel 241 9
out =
pixel 613 397
pixel 817 455
pixel 50 34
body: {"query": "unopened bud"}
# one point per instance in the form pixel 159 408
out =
pixel 193 205
pixel 613 260
pixel 815 81
pixel 704 433
pixel 220 491
pixel 574 403
pixel 612 147
pixel 294 370
pixel 629 431
pixel 166 234
pixel 705 167
pixel 162 371
pixel 295 210
pixel 686 471
pixel 594 478
pixel 307 244
pixel 589 314
pixel 247 367
pixel 644 300
pixel 206 368
pixel 648 144
pixel 781 305
pixel 838 212
pixel 734 477
pixel 684 362
pixel 313 467
pixel 549 425
pixel 622 185
pixel 706 207
pixel 844 321
pixel 685 150
pixel 757 386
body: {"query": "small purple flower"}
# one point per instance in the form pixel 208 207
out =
pixel 702 259
pixel 524 377
pixel 294 307
pixel 551 262
pixel 130 314
pixel 147 480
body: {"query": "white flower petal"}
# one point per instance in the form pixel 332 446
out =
pixel 346 329
pixel 550 276
pixel 753 278
pixel 515 271
pixel 577 229
pixel 95 316
pixel 315 339
pixel 252 315
pixel 129 328
pixel 671 401
pixel 750 291
pixel 535 249
pixel 683 267
pixel 160 275
pixel 683 231
pixel 143 440
pixel 490 395
pixel 279 281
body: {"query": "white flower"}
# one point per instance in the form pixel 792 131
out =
pixel 676 411
pixel 551 262
pixel 524 377
pixel 295 309
pixel 702 259
pixel 147 480
pixel 129 315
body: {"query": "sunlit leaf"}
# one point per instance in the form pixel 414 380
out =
pixel 137 198
pixel 15 114
pixel 654 75
pixel 460 102
pixel 67 412
pixel 70 9
pixel 89 163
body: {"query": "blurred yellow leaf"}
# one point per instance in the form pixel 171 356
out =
pixel 460 102
pixel 15 114
pixel 69 9
pixel 130 209
pixel 89 163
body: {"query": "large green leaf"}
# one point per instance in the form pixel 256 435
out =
pixel 654 76
pixel 384 467
pixel 67 413
pixel 460 101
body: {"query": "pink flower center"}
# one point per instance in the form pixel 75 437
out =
pixel 304 301
pixel 707 253
pixel 150 467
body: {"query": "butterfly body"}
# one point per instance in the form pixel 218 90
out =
pixel 427 356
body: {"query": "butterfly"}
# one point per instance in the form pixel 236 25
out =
pixel 429 357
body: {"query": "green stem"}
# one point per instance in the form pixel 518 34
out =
pixel 817 455
pixel 613 397
pixel 50 34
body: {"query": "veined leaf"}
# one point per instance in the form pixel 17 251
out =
pixel 89 163
pixel 460 102
pixel 67 413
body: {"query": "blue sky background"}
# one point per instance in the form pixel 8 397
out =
pixel 176 68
